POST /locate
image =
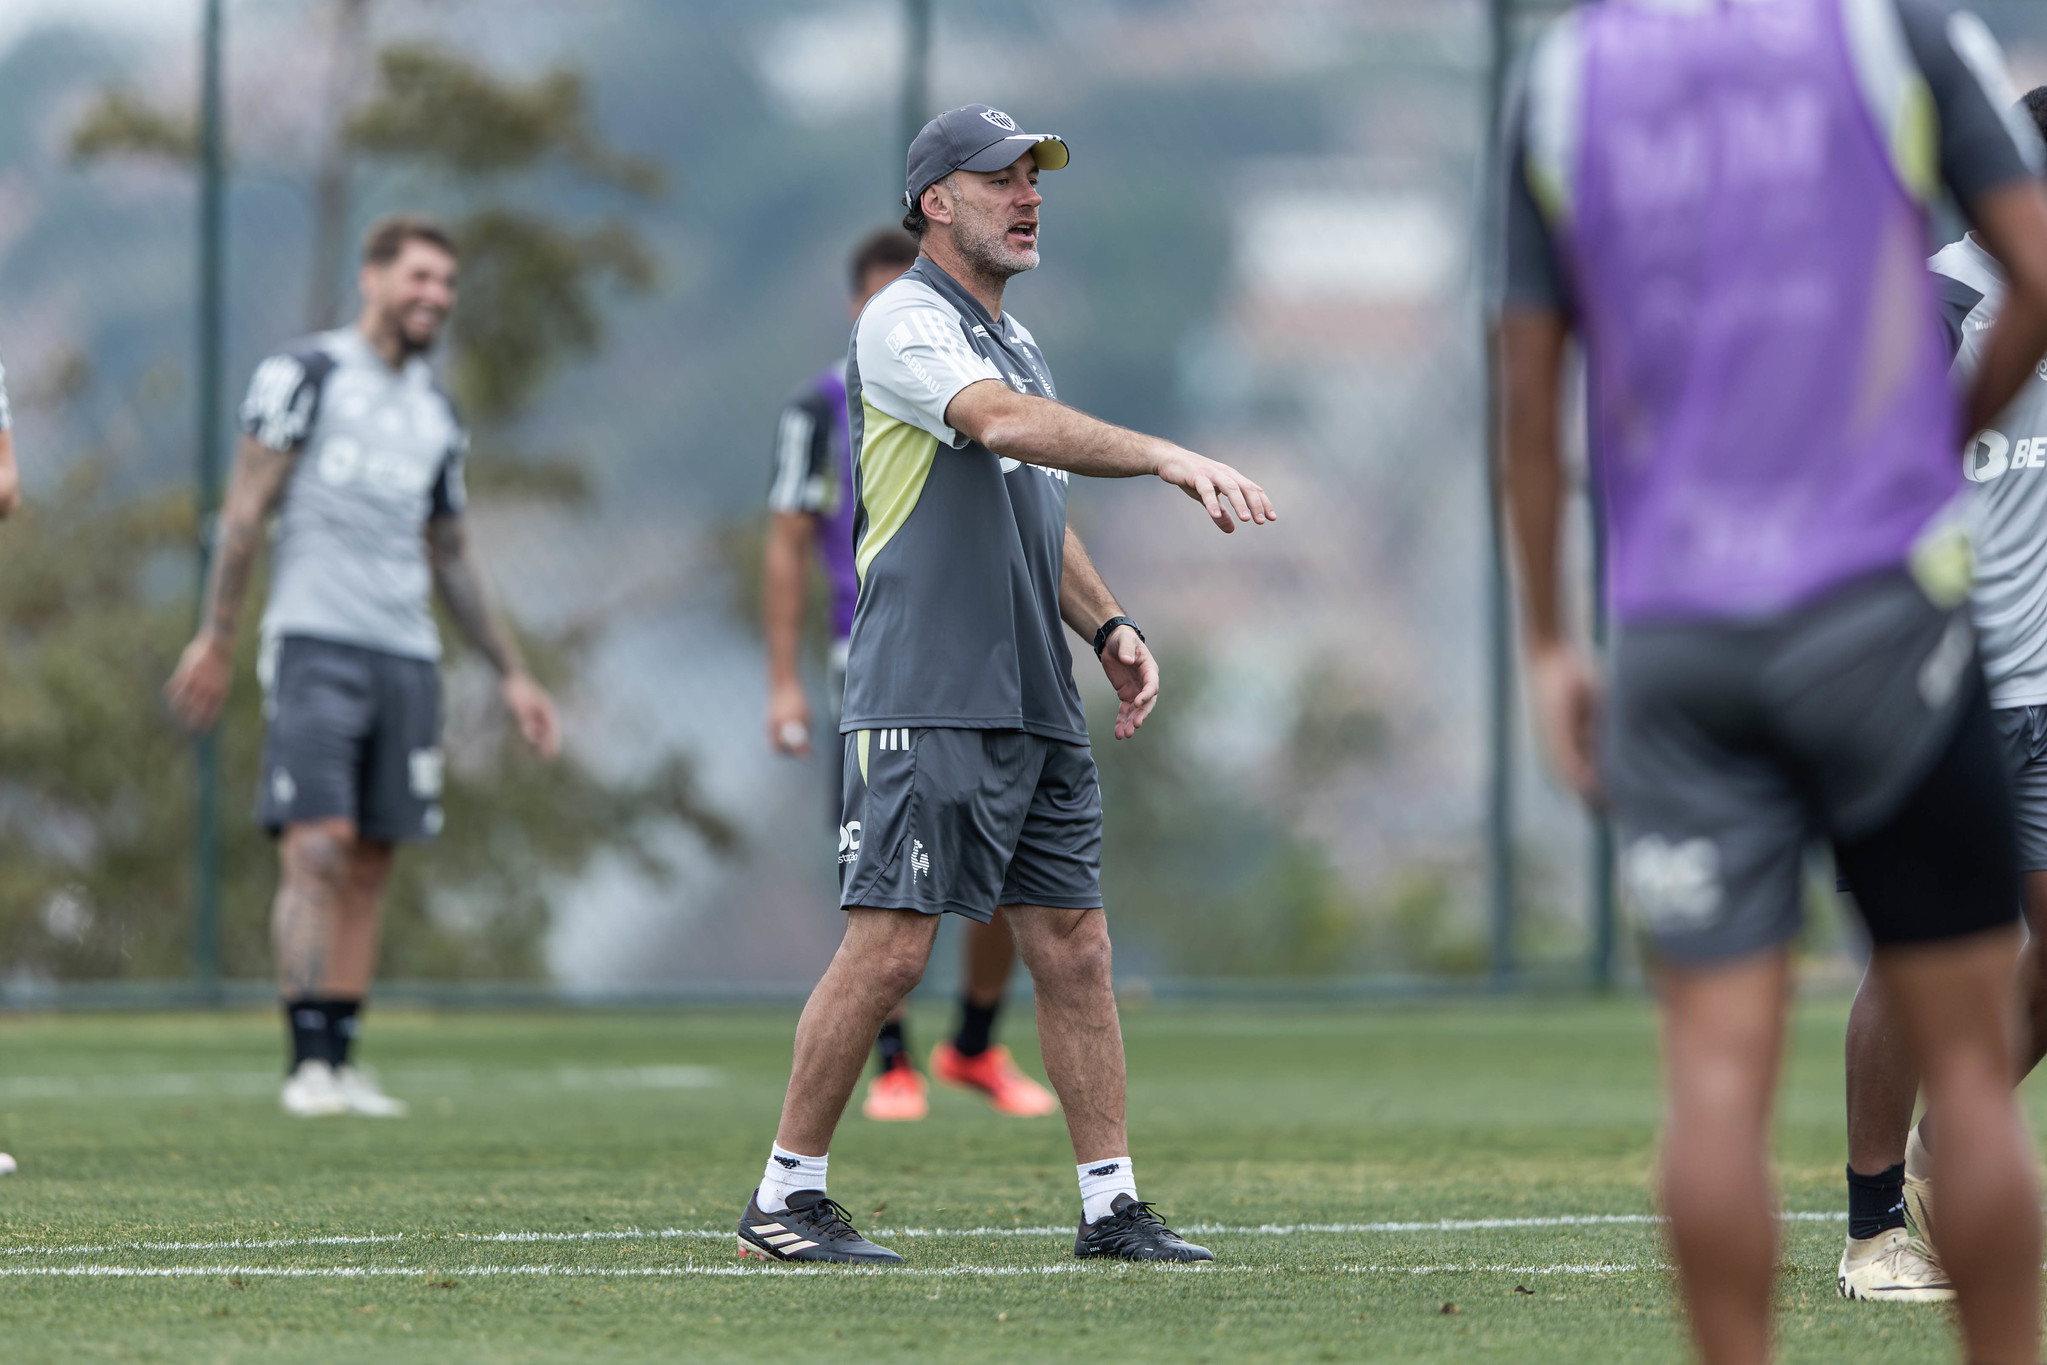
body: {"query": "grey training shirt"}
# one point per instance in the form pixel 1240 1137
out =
pixel 2007 468
pixel 959 550
pixel 380 454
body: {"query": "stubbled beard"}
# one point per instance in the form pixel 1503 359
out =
pixel 408 346
pixel 988 251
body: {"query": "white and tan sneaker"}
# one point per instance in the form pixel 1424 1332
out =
pixel 310 1092
pixel 1893 1265
pixel 1919 1187
pixel 361 1094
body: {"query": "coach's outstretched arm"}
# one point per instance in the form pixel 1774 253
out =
pixel 1040 431
pixel 1086 604
pixel 199 687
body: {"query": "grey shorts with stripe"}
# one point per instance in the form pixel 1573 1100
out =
pixel 354 734
pixel 1730 748
pixel 968 820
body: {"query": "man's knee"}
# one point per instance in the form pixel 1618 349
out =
pixel 890 947
pixel 320 854
pixel 1067 948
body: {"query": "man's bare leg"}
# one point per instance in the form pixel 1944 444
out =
pixel 359 921
pixel 1954 1002
pixel 1883 1085
pixel 1883 1082
pixel 1079 1032
pixel 315 862
pixel 880 960
pixel 987 958
pixel 1723 1035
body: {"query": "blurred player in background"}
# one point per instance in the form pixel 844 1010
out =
pixel 968 770
pixel 1889 1161
pixel 350 438
pixel 1728 204
pixel 811 498
pixel 10 503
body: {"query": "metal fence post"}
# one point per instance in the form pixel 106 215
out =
pixel 1605 920
pixel 1499 622
pixel 212 314
pixel 916 69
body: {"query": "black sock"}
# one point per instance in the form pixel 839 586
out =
pixel 891 1049
pixel 1876 1203
pixel 977 1026
pixel 306 1021
pixel 343 1019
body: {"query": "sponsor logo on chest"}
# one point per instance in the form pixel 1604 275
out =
pixel 1992 454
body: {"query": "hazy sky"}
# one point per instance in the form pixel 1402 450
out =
pixel 18 16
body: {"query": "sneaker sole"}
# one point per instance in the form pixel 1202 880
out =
pixel 748 1248
pixel 1860 1295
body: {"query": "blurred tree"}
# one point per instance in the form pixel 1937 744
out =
pixel 95 806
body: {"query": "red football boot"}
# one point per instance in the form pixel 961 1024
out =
pixel 896 1095
pixel 995 1075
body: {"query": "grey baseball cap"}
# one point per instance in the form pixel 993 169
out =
pixel 974 137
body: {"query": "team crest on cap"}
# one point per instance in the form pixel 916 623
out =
pixel 999 119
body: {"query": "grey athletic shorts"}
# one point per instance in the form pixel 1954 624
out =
pixel 354 733
pixel 1729 748
pixel 969 820
pixel 2024 732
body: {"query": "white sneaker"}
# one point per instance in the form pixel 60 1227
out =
pixel 361 1094
pixel 1919 1186
pixel 310 1092
pixel 1893 1265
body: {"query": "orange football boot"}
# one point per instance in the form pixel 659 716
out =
pixel 896 1096
pixel 995 1075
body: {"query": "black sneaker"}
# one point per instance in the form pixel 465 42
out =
pixel 1130 1231
pixel 814 1229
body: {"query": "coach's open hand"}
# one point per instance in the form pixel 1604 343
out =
pixel 1135 676
pixel 1218 488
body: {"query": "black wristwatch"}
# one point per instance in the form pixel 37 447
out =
pixel 1109 628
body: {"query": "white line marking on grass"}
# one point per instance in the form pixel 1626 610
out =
pixel 1594 1268
pixel 420 1080
pixel 722 1234
pixel 347 1272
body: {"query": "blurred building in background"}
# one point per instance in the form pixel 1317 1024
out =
pixel 1267 247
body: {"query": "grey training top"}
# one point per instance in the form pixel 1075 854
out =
pixel 380 454
pixel 1984 143
pixel 2007 517
pixel 959 550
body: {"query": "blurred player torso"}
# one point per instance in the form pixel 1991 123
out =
pixel 835 523
pixel 383 454
pixel 2008 515
pixel 1768 384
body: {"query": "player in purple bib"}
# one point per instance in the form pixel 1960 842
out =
pixel 1727 202
pixel 811 503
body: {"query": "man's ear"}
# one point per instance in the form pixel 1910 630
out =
pixel 936 203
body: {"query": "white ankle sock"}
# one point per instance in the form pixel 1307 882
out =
pixel 1100 1183
pixel 787 1173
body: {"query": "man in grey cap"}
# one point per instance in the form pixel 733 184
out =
pixel 969 785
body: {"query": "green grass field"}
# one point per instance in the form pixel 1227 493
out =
pixel 566 1186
